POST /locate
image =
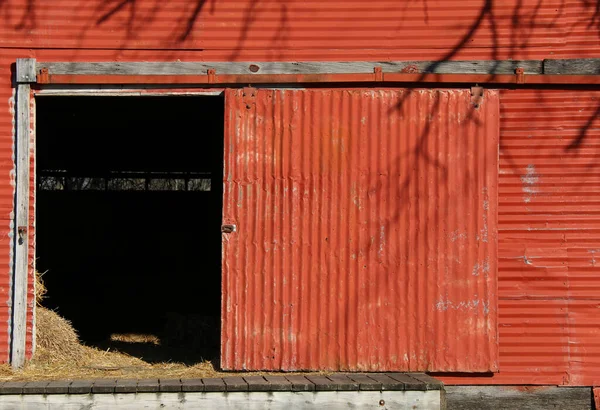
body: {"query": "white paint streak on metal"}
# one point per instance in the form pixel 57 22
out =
pixel 529 180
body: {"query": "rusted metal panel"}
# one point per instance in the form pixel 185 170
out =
pixel 300 30
pixel 365 230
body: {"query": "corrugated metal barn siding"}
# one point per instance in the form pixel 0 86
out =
pixel 307 30
pixel 28 32
pixel 549 238
pixel 366 230
pixel 550 228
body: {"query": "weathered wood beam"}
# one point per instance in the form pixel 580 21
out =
pixel 322 400
pixel 565 67
pixel 582 66
pixel 266 68
pixel 518 398
pixel 25 75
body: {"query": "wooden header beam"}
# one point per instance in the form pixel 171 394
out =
pixel 580 71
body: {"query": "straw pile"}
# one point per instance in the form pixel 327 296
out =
pixel 61 356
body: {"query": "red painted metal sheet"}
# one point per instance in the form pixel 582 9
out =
pixel 549 239
pixel 297 30
pixel 366 230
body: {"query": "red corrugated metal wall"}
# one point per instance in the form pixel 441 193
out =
pixel 306 30
pixel 366 230
pixel 258 30
pixel 548 221
pixel 549 239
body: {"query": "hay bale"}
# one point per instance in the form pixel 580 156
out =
pixel 56 338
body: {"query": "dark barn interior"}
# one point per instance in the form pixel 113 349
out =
pixel 129 200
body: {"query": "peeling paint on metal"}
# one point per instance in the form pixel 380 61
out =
pixel 529 180
pixel 358 286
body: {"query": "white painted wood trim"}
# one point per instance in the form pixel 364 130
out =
pixel 400 400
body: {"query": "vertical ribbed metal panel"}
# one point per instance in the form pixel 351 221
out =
pixel 366 230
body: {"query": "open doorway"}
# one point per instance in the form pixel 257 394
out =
pixel 128 215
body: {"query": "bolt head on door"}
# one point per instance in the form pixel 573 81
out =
pixel 228 228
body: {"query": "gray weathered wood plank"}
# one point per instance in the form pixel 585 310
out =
pixel 235 383
pixel 365 382
pixel 244 68
pixel 301 383
pixel 518 398
pixel 149 386
pixel 257 383
pixel 410 383
pixel 21 228
pixel 322 383
pixel 192 385
pixel 344 383
pixel 279 383
pixel 81 387
pixel 170 385
pixel 387 383
pixel 58 387
pixel 35 387
pixel 104 386
pixel 126 386
pixel 12 388
pixel 25 72
pixel 429 382
pixel 213 384
pixel 327 400
pixel 581 66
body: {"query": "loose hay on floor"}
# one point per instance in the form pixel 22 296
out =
pixel 61 356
